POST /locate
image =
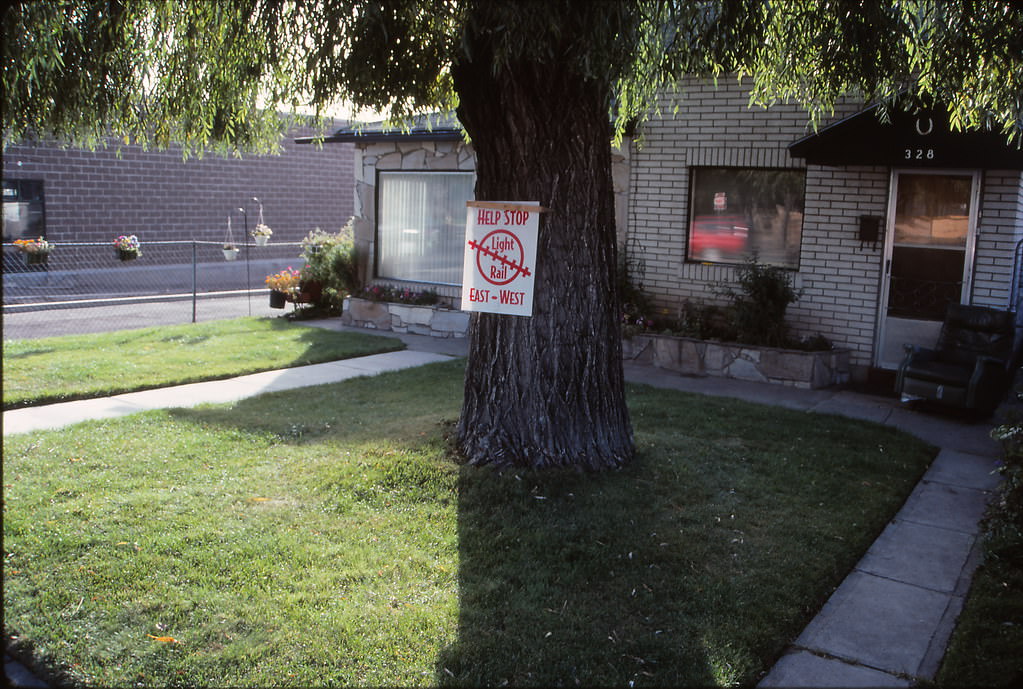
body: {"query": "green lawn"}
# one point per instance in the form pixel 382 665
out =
pixel 324 536
pixel 57 369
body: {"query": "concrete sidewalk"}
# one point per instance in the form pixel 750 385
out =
pixel 886 625
pixel 62 414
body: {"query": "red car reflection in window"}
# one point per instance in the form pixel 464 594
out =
pixel 718 238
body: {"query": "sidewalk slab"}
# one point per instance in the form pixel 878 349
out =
pixel 964 469
pixel 856 406
pixel 877 622
pixel 65 414
pixel 947 506
pixel 927 556
pixel 947 432
pixel 804 669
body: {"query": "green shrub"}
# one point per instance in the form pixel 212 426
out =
pixel 636 307
pixel 706 321
pixel 334 261
pixel 764 295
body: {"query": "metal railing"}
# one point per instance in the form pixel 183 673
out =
pixel 86 287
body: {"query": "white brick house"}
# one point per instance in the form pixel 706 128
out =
pixel 965 222
pixel 699 190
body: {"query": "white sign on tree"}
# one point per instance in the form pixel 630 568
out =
pixel 500 257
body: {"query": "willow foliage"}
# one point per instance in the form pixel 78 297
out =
pixel 220 74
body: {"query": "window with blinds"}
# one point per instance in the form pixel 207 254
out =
pixel 421 225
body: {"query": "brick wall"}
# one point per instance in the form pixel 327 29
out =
pixel 97 195
pixel 1000 228
pixel 717 127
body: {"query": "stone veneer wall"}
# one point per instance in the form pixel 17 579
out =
pixel 436 321
pixel 692 357
pixel 421 156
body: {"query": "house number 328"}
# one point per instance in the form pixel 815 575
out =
pixel 919 154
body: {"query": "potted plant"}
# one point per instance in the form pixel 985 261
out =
pixel 36 251
pixel 283 286
pixel 262 234
pixel 262 231
pixel 230 250
pixel 128 247
pixel 315 242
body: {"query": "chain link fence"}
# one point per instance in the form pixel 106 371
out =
pixel 85 287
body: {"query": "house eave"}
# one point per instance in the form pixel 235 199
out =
pixel 921 139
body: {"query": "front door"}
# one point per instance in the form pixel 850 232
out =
pixel 932 220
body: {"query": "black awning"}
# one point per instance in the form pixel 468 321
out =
pixel 910 139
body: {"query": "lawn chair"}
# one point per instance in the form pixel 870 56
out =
pixel 970 366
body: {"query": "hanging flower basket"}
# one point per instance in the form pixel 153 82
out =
pixel 128 247
pixel 36 251
pixel 230 252
pixel 261 233
pixel 278 299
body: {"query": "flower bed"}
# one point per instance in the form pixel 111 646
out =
pixel 693 357
pixel 434 320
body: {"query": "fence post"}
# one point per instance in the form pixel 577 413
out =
pixel 194 281
pixel 248 280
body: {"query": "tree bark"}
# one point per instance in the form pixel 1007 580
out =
pixel 547 390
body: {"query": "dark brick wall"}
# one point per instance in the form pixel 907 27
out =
pixel 98 195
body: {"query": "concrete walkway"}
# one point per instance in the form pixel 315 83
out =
pixel 58 415
pixel 887 624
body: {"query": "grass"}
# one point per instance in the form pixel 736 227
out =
pixel 985 649
pixel 58 369
pixel 325 536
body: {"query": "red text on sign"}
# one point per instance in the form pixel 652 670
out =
pixel 512 298
pixel 516 217
pixel 479 295
pixel 487 217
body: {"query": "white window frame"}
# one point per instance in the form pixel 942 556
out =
pixel 395 254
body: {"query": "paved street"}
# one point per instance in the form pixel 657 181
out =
pixel 135 314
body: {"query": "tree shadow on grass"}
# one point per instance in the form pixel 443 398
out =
pixel 565 580
pixel 692 566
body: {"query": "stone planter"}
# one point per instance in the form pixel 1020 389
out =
pixel 436 321
pixel 691 357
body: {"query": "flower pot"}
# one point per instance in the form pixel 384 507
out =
pixel 37 258
pixel 309 291
pixel 277 299
pixel 127 254
pixel 230 254
pixel 261 239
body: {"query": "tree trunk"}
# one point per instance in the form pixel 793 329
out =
pixel 547 390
